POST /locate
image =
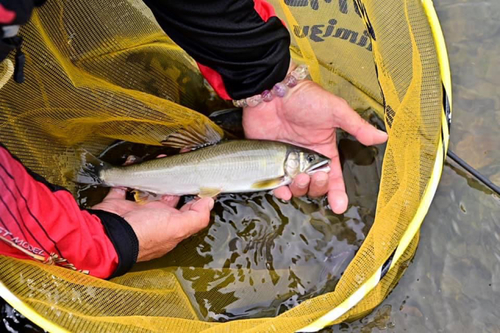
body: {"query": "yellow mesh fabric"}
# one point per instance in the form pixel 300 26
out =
pixel 98 71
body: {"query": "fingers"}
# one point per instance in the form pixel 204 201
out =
pixel 338 201
pixel 319 184
pixel 204 205
pixel 170 200
pixel 196 217
pixel 283 193
pixel 187 206
pixel 116 193
pixel 351 122
pixel 303 184
pixel 300 185
pixel 159 228
pixel 314 186
pixel 131 159
pixel 337 197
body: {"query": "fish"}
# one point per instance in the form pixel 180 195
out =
pixel 212 166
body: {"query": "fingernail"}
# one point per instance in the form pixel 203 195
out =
pixel 382 132
pixel 211 204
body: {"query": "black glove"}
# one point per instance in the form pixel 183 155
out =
pixel 14 13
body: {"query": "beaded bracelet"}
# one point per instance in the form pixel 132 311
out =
pixel 280 89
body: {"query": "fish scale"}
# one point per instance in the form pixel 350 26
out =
pixel 232 166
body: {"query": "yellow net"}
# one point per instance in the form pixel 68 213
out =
pixel 98 71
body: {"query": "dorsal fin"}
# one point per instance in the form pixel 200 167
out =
pixel 195 136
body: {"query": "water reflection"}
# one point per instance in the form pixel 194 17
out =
pixel 261 256
pixel 14 322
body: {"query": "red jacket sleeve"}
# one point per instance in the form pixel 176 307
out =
pixel 42 221
pixel 241 47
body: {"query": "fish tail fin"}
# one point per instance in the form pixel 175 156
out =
pixel 91 169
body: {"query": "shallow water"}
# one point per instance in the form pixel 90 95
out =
pixel 14 322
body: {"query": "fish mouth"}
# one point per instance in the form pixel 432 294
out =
pixel 323 166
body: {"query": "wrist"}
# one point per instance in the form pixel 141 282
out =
pixel 152 244
pixel 294 75
pixel 123 237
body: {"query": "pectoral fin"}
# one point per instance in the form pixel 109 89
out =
pixel 142 197
pixel 196 136
pixel 268 183
pixel 206 192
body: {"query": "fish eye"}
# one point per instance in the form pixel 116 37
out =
pixel 310 158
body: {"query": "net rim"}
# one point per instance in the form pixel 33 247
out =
pixel 414 225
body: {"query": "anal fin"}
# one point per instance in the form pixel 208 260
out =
pixel 207 192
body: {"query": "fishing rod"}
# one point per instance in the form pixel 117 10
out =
pixel 483 179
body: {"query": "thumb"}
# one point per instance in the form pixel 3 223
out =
pixel 197 216
pixel 116 193
pixel 351 122
pixel 204 205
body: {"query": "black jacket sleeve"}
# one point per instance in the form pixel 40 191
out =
pixel 229 36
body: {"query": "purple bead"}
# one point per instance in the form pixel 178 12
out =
pixel 267 96
pixel 290 81
pixel 279 89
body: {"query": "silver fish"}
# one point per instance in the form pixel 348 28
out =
pixel 227 167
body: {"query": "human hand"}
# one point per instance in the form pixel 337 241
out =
pixel 159 227
pixel 308 116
